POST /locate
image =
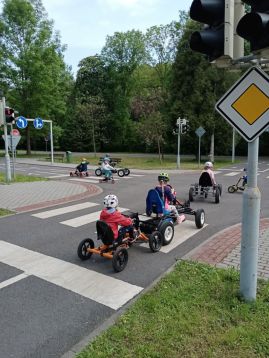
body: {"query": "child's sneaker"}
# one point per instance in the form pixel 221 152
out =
pixel 181 218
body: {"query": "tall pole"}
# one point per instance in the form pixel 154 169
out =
pixel 7 157
pixel 199 152
pixel 250 226
pixel 51 143
pixel 178 147
pixel 233 146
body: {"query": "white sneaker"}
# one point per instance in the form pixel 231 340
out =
pixel 181 218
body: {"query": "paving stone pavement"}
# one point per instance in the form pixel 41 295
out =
pixel 34 195
pixel 223 249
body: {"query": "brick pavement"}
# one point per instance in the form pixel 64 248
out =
pixel 223 249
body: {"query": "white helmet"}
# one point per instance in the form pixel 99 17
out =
pixel 111 201
pixel 208 165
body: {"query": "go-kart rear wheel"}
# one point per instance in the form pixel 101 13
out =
pixel 217 195
pixel 82 252
pixel 191 192
pixel 120 259
pixel 167 230
pixel 126 171
pixel 98 172
pixel 231 189
pixel 71 174
pixel 121 173
pixel 155 241
pixel 199 218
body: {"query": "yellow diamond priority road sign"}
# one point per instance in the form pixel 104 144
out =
pixel 246 105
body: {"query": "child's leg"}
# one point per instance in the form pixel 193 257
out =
pixel 180 218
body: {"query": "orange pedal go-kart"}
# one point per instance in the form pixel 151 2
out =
pixel 116 249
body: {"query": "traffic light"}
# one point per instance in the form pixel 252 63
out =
pixel 216 40
pixel 254 26
pixel 184 127
pixel 9 115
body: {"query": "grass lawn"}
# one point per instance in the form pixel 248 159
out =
pixel 21 178
pixel 195 311
pixel 4 212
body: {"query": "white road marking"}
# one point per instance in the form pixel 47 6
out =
pixel 12 280
pixel 137 175
pixel 88 180
pixel 57 176
pixel 103 289
pixel 217 172
pixel 85 219
pixel 60 211
pixel 232 174
pixel 182 233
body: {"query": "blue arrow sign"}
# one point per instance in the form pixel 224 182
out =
pixel 38 123
pixel 21 122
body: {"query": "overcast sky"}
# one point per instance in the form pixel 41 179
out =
pixel 84 24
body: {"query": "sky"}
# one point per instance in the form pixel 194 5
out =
pixel 85 24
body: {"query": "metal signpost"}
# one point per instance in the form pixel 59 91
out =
pixel 246 107
pixel 3 121
pixel 180 122
pixel 199 132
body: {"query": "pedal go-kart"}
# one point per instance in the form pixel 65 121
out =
pixel 155 205
pixel 79 174
pixel 116 250
pixel 121 172
pixel 205 189
pixel 240 185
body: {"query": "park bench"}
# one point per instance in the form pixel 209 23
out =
pixel 58 156
pixel 113 161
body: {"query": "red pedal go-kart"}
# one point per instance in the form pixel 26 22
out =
pixel 79 174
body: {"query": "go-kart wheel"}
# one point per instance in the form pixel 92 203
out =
pixel 155 241
pixel 167 230
pixel 82 252
pixel 217 195
pixel 120 259
pixel 126 171
pixel 71 174
pixel 231 189
pixel 220 189
pixel 191 192
pixel 121 173
pixel 199 218
pixel 87 174
pixel 98 172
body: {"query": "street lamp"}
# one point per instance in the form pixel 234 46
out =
pixel 180 122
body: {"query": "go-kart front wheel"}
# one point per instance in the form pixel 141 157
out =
pixel 191 194
pixel 155 241
pixel 126 171
pixel 199 218
pixel 121 173
pixel 232 189
pixel 83 247
pixel 217 195
pixel 167 230
pixel 120 259
pixel 98 172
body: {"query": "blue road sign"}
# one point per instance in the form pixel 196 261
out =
pixel 38 123
pixel 21 122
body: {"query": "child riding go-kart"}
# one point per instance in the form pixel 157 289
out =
pixel 115 243
pixel 207 186
pixel 81 169
pixel 107 161
pixel 240 185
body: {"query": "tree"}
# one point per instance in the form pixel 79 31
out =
pixel 32 70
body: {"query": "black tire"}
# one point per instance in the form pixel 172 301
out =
pixel 120 259
pixel 155 241
pixel 82 252
pixel 231 189
pixel 191 191
pixel 217 195
pixel 126 171
pixel 220 189
pixel 98 172
pixel 71 174
pixel 167 230
pixel 121 173
pixel 199 218
pixel 148 212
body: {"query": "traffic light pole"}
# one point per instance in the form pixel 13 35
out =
pixel 7 157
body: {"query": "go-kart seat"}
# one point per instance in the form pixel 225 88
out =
pixel 205 180
pixel 154 203
pixel 104 232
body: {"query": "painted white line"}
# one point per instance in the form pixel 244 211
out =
pixel 60 211
pixel 217 172
pixel 183 232
pixel 232 174
pixel 103 289
pixel 85 219
pixel 57 176
pixel 137 175
pixel 13 280
pixel 88 180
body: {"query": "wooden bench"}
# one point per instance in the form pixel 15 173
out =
pixel 58 156
pixel 113 161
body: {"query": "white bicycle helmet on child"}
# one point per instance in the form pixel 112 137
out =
pixel 111 201
pixel 208 165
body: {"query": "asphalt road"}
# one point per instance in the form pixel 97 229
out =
pixel 63 300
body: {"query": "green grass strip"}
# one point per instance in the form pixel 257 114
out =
pixel 195 311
